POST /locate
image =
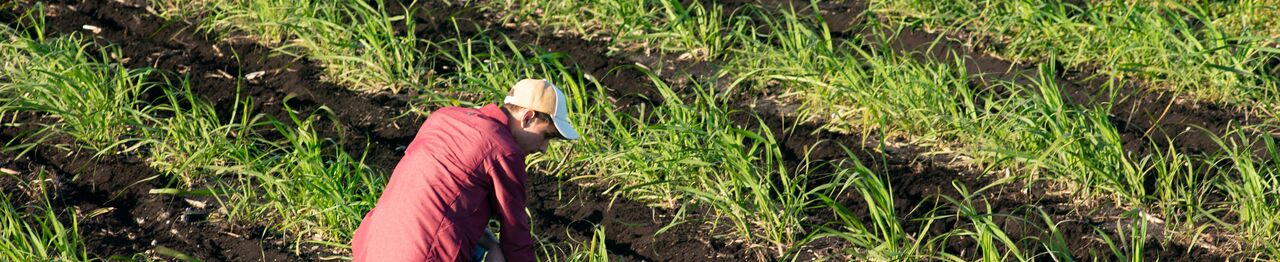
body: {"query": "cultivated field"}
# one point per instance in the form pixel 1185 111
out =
pixel 729 130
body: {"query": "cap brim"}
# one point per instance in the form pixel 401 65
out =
pixel 565 128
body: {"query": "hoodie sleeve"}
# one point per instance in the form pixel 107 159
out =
pixel 509 177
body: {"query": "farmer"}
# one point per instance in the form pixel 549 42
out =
pixel 465 166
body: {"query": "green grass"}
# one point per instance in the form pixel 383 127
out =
pixel 1029 130
pixel 38 232
pixel 1025 129
pixel 594 250
pixel 482 75
pixel 855 89
pixel 304 185
pixel 694 31
pixel 1131 237
pixel 276 173
pixel 993 244
pixel 279 174
pixel 90 101
pixel 741 195
pixel 1251 185
pixel 193 137
pixel 1212 51
pixel 885 239
pixel 736 172
pixel 686 152
pixel 93 102
pixel 356 42
pixel 301 185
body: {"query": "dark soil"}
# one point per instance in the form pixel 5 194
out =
pixel 567 211
pixel 173 46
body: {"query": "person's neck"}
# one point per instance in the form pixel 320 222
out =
pixel 511 119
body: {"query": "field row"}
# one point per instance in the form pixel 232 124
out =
pixel 848 134
pixel 1081 140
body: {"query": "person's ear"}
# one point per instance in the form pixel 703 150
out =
pixel 527 117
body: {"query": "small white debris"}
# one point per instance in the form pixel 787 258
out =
pixel 195 204
pixel 8 171
pixel 140 220
pixel 94 29
pixel 52 11
pixel 255 75
pixel 219 74
pixel 1152 219
pixel 173 231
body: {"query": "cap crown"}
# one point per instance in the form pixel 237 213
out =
pixel 535 94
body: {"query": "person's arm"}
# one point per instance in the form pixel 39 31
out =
pixel 509 178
